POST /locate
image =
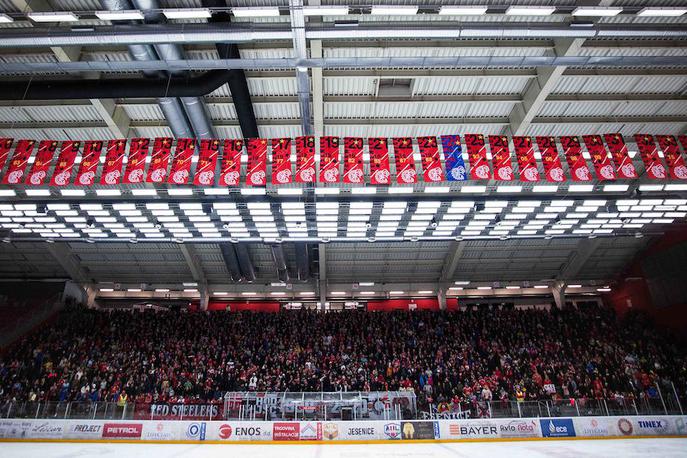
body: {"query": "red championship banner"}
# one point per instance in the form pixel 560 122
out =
pixel 553 170
pixel 477 153
pixel 675 161
pixel 379 161
pixel 573 154
pixel 162 148
pixel 62 174
pixel 305 159
pixel 257 162
pixel 20 159
pixel 503 170
pixel 41 164
pixel 600 160
pixel 527 164
pixel 405 165
pixel 135 167
pixel 281 161
pixel 431 160
pixel 114 160
pixel 649 153
pixel 329 160
pixel 181 164
pixel 5 147
pixel 231 163
pixel 89 163
pixel 681 138
pixel 621 158
pixel 207 163
pixel 353 160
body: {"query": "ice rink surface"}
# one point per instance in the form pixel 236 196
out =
pixel 624 448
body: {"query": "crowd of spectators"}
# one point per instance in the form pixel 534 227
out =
pixel 445 357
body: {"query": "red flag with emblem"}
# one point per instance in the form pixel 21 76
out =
pixel 207 163
pixel 181 164
pixel 20 159
pixel 621 158
pixel 5 147
pixel 353 160
pixel 329 160
pixel 231 163
pixel 405 164
pixel 257 162
pixel 62 174
pixel 600 160
pixel 649 153
pixel 527 164
pixel 675 161
pixel 576 163
pixel 114 160
pixel 305 159
pixel 431 160
pixel 380 172
pixel 135 166
pixel 477 153
pixel 683 141
pixel 281 161
pixel 500 155
pixel 162 148
pixel 553 169
pixel 89 163
pixel 41 164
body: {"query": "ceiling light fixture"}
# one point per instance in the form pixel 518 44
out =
pixel 187 13
pixel 122 15
pixel 62 16
pixel 270 11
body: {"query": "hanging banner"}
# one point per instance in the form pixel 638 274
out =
pixel 353 160
pixel 5 147
pixel 477 153
pixel 576 163
pixel 500 154
pixel 181 164
pixel 20 159
pixel 114 160
pixel 621 158
pixel 329 159
pixel 62 174
pixel 281 161
pixel 41 164
pixel 600 160
pixel 380 172
pixel 207 163
pixel 675 161
pixel 231 163
pixel 431 161
pixel 683 141
pixel 453 158
pixel 405 165
pixel 135 167
pixel 89 163
pixel 649 153
pixel 257 162
pixel 305 159
pixel 527 164
pixel 157 172
pixel 553 169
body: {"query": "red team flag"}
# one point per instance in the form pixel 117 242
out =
pixel 503 170
pixel 281 161
pixel 257 162
pixel 379 161
pixel 329 160
pixel 41 164
pixel 162 148
pixel 431 160
pixel 527 164
pixel 231 163
pixel 600 160
pixel 135 167
pixel 65 163
pixel 573 154
pixel 114 160
pixel 353 160
pixel 477 154
pixel 675 161
pixel 20 159
pixel 181 164
pixel 621 158
pixel 553 170
pixel 5 147
pixel 89 163
pixel 305 159
pixel 649 153
pixel 207 163
pixel 681 138
pixel 405 165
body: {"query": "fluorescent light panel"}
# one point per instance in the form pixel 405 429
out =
pixel 62 16
pixel 596 11
pixel 662 12
pixel 463 10
pixel 394 10
pixel 271 11
pixel 187 13
pixel 325 10
pixel 122 15
pixel 530 10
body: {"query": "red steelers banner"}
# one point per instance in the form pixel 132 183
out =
pixel 41 164
pixel 135 167
pixel 65 163
pixel 500 155
pixel 431 160
pixel 207 163
pixel 405 165
pixel 379 161
pixel 89 163
pixel 162 148
pixel 329 159
pixel 675 161
pixel 553 169
pixel 353 160
pixel 281 161
pixel 600 160
pixel 576 163
pixel 231 163
pixel 181 164
pixel 621 158
pixel 527 164
pixel 5 147
pixel 305 159
pixel 257 162
pixel 477 153
pixel 20 159
pixel 114 159
pixel 649 153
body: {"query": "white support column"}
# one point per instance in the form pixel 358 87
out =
pixel 558 291
pixel 301 52
pixel 196 268
pixel 441 296
pixel 317 89
pixel 322 262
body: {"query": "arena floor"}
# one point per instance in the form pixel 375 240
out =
pixel 627 448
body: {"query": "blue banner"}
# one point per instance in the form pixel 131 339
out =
pixel 453 156
pixel 557 427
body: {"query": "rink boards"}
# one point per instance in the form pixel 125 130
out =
pixel 339 431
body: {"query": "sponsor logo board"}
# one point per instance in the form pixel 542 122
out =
pixel 625 427
pixel 122 430
pixel 365 430
pixel 557 427
pixel 330 431
pixel 84 430
pixel 519 428
pixel 159 431
pixel 645 426
pixel 284 431
pixel 242 431
pixel 14 428
pixel 392 431
pixel 411 430
pixel 592 426
pixel 46 429
pixel 196 431
pixel 473 429
pixel 310 431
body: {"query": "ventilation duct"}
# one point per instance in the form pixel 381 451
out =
pixel 231 261
pixel 280 262
pixel 247 270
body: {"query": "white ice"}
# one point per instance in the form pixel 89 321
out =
pixel 625 448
